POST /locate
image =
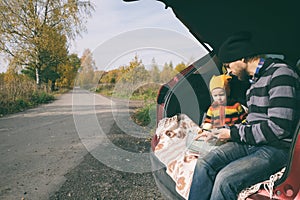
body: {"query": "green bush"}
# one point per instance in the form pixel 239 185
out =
pixel 22 103
pixel 18 92
pixel 12 106
pixel 41 97
pixel 146 116
pixel 3 110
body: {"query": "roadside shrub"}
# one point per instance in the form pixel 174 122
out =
pixel 105 89
pixel 18 92
pixel 20 105
pixel 146 116
pixel 3 110
pixel 12 106
pixel 146 92
pixel 41 97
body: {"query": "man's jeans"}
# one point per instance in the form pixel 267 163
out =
pixel 232 167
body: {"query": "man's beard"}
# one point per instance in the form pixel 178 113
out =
pixel 243 76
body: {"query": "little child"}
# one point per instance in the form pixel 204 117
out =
pixel 223 111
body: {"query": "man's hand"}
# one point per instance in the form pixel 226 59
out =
pixel 222 134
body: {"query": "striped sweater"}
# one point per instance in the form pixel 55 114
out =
pixel 219 115
pixel 272 103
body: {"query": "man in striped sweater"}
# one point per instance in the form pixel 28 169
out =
pixel 259 148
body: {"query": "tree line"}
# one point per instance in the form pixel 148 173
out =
pixel 35 40
pixel 136 71
pixel 124 80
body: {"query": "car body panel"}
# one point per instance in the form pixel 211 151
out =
pixel 273 24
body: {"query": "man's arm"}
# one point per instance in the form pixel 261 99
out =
pixel 280 112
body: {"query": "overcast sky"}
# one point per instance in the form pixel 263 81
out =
pixel 114 17
pixel 119 30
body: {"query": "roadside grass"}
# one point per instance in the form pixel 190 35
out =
pixel 18 93
pixel 105 89
pixel 9 106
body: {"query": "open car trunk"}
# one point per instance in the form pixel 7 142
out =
pixel 273 24
pixel 275 29
pixel 188 94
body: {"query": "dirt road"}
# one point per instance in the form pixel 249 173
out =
pixel 40 146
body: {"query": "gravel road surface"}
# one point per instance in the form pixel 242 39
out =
pixel 81 146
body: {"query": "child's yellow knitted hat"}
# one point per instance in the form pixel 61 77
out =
pixel 221 81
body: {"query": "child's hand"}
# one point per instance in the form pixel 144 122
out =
pixel 207 126
pixel 198 137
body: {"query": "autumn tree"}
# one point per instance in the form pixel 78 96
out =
pixel 34 33
pixel 97 76
pixel 154 72
pixel 135 72
pixel 179 67
pixel 112 76
pixel 167 72
pixel 86 71
pixel 132 76
pixel 68 71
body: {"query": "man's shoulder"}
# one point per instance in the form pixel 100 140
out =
pixel 281 67
pixel 276 67
pixel 285 70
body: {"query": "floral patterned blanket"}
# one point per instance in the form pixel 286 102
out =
pixel 172 150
